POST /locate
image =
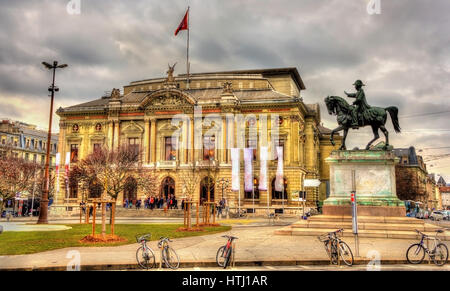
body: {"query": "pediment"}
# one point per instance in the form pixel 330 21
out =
pixel 168 97
pixel 133 127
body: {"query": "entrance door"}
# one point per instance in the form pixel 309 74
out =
pixel 204 186
pixel 130 190
pixel 168 187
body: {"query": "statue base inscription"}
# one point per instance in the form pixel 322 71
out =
pixel 374 181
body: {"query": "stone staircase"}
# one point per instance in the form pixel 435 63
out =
pixel 368 226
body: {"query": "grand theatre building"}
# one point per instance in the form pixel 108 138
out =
pixel 148 113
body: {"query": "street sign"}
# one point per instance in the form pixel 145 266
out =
pixel 311 183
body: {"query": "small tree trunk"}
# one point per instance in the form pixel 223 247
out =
pixel 103 220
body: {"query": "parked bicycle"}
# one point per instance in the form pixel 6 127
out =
pixel 439 253
pixel 144 254
pixel 224 253
pixel 146 257
pixel 336 248
pixel 168 254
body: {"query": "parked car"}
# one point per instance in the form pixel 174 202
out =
pixel 437 215
pixel 446 214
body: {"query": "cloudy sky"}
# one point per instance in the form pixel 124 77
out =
pixel 402 54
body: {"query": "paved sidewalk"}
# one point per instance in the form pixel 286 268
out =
pixel 255 246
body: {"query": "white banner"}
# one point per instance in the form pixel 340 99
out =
pixel 66 168
pixel 57 162
pixel 263 169
pixel 279 178
pixel 235 161
pixel 248 174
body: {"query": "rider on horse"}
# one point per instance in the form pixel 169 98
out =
pixel 360 103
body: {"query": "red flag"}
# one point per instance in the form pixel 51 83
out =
pixel 184 23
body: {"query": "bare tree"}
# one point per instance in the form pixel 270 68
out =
pixel 190 179
pixel 147 181
pixel 111 167
pixel 16 176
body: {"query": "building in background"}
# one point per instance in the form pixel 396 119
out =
pixel 445 196
pixel 413 181
pixel 142 116
pixel 26 141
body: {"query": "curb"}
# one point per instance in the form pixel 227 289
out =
pixel 112 267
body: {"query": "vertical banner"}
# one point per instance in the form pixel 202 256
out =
pixel 263 169
pixel 248 174
pixel 66 173
pixel 235 185
pixel 279 178
pixel 57 161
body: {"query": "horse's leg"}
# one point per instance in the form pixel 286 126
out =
pixel 386 134
pixel 375 136
pixel 339 128
pixel 343 147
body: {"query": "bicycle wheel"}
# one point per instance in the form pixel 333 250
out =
pixel 220 256
pixel 440 254
pixel 415 254
pixel 228 257
pixel 145 258
pixel 346 253
pixel 171 258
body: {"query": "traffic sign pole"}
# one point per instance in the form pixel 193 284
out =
pixel 354 213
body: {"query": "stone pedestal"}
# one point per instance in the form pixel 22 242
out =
pixel 374 180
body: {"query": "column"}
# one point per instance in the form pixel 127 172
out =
pixel 191 140
pixel 224 133
pixel 110 136
pixel 145 147
pixel 153 140
pixel 116 134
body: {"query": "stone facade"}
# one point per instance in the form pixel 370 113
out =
pixel 150 112
pixel 445 196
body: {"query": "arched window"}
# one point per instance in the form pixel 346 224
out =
pixel 168 187
pixel 279 194
pixel 255 193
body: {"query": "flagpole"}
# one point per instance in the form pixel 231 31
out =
pixel 187 52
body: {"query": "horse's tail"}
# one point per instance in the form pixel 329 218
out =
pixel 393 112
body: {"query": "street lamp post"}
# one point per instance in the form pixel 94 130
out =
pixel 44 201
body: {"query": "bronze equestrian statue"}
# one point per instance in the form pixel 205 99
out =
pixel 360 115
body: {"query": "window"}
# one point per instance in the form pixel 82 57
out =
pixel 133 143
pixel 3 141
pixel 98 127
pixel 97 147
pixel 73 153
pixel 170 153
pixel 279 194
pixel 209 146
pixel 35 158
pixel 42 159
pixel 27 156
pixel 255 194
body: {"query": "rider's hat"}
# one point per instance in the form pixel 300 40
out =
pixel 359 82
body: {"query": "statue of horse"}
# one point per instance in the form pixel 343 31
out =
pixel 374 116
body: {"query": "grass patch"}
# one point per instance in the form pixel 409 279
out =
pixel 22 242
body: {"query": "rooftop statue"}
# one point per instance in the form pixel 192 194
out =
pixel 360 114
